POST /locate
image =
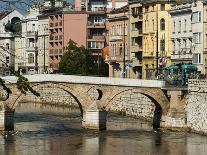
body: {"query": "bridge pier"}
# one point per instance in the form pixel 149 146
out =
pixel 94 119
pixel 6 120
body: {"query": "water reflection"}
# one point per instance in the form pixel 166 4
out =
pixel 58 132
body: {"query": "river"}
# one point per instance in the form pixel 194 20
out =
pixel 46 130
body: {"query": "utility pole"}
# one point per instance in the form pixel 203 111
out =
pixel 157 50
pixel 124 65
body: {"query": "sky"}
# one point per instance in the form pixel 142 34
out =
pixel 20 5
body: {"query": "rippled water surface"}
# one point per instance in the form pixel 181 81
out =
pixel 46 130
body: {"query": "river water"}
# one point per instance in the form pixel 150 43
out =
pixel 46 130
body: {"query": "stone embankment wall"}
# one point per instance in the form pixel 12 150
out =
pixel 196 107
pixel 53 96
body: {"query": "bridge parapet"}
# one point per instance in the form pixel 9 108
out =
pixel 90 80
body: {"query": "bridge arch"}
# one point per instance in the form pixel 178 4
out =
pixel 129 96
pixel 76 94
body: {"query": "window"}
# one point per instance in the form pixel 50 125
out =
pixel 134 41
pixel 185 25
pixel 184 43
pixel 179 44
pixel 146 8
pixel 196 38
pixel 196 17
pixel 114 49
pixel 7 46
pixel 30 58
pixel 33 27
pixel 197 58
pixel 162 7
pixel 7 60
pixel 153 25
pixel 179 27
pixel 162 24
pixel 120 49
pixel 162 45
pixel 173 26
pixel 173 45
pixel 134 26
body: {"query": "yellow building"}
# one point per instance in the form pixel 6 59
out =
pixel 156 37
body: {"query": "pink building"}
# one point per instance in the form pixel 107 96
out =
pixel 64 26
pixel 75 27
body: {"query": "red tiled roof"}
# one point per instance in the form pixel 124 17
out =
pixel 4 14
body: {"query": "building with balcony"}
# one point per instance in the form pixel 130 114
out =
pixel 156 37
pixel 118 58
pixel 27 59
pixel 136 39
pixel 96 28
pixel 189 34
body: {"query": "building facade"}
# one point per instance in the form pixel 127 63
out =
pixel 181 34
pixel 156 37
pixel 188 34
pixel 10 26
pixel 29 50
pixel 136 39
pixel 118 59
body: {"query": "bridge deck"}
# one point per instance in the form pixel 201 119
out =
pixel 89 80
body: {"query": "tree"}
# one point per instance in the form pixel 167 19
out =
pixel 74 59
pixel 78 60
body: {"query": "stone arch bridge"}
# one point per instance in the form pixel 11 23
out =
pixel 97 95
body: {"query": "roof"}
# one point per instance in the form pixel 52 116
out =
pixel 4 14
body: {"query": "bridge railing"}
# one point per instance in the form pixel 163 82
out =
pixel 89 80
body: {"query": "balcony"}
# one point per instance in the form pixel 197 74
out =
pixel 115 38
pixel 136 62
pixel 30 48
pixel 136 48
pixel 96 25
pixel 96 38
pixel 31 34
pixel 99 10
pixel 110 59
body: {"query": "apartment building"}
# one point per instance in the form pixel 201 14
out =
pixel 156 37
pixel 181 33
pixel 29 51
pixel 118 58
pixel 136 39
pixel 188 34
pixel 96 27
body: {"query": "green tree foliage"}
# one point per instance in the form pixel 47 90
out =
pixel 22 85
pixel 74 59
pixel 78 60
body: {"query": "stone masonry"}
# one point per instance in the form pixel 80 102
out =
pixel 196 107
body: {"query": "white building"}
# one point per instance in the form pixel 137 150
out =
pixel 43 34
pixel 29 61
pixel 10 26
pixel 188 33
